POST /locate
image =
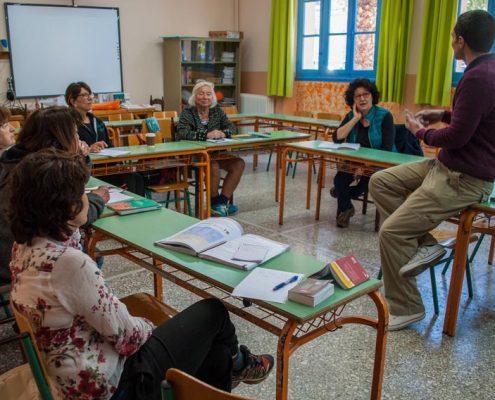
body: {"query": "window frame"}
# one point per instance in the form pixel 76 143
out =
pixel 322 74
pixel 456 76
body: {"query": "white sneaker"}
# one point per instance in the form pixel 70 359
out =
pixel 425 257
pixel 398 322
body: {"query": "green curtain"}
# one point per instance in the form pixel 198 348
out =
pixel 393 48
pixel 280 53
pixel 434 78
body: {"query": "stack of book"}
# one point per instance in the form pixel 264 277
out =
pixel 311 291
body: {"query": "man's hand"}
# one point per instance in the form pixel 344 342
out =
pixel 427 117
pixel 412 123
pixel 97 147
pixel 216 134
pixel 103 192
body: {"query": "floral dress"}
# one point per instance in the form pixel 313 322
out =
pixel 84 332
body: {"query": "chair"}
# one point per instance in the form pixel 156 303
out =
pixel 115 117
pixel 33 355
pixel 302 113
pixel 126 116
pixel 145 305
pixel 158 101
pixel 15 124
pixel 180 184
pixel 182 386
pixel 326 115
pixel 165 114
pixel 18 383
pixel 230 110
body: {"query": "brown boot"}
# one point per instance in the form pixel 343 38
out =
pixel 343 217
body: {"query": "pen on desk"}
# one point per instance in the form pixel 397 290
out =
pixel 287 282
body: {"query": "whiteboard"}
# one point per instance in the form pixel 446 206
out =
pixel 52 46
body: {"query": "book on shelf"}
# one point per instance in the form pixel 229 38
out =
pixel 348 272
pixel 223 240
pixel 311 292
pixel 339 146
pixel 133 206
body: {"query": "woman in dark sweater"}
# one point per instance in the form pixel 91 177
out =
pixel 203 120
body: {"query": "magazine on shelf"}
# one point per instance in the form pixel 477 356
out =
pixel 223 240
pixel 339 146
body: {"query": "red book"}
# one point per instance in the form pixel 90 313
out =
pixel 348 272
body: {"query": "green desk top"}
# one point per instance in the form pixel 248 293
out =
pixel 124 123
pixel 275 136
pixel 328 123
pixel 364 153
pixel 143 229
pixel 158 149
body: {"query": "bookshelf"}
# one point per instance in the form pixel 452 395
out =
pixel 189 59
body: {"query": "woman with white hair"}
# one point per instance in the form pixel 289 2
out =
pixel 204 119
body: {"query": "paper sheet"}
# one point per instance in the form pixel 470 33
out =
pixel 117 195
pixel 260 282
pixel 112 153
pixel 337 146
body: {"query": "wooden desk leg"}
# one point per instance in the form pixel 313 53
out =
pixel 380 344
pixel 91 241
pixel 320 184
pixel 282 187
pixel 278 171
pixel 283 354
pixel 158 281
pixel 308 184
pixel 458 269
pixel 208 185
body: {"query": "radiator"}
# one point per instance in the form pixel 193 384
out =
pixel 255 103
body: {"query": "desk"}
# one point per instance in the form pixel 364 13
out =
pixel 116 126
pixel 274 141
pixel 282 121
pixel 294 324
pixel 142 112
pixel 460 257
pixel 368 160
pixel 162 155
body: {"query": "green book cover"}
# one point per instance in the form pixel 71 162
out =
pixel 134 206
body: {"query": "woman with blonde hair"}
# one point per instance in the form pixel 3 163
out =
pixel 202 120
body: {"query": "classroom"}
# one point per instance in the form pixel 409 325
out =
pixel 348 143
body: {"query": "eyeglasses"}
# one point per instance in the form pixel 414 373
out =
pixel 362 95
pixel 86 95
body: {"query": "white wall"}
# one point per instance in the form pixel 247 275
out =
pixel 141 25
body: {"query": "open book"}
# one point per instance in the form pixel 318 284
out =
pixel 339 146
pixel 223 240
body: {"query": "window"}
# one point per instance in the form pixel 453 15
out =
pixel 468 5
pixel 337 39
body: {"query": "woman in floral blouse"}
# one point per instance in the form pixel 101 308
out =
pixel 93 348
pixel 203 120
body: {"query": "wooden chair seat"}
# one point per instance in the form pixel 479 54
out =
pixel 447 238
pixel 182 386
pixel 168 187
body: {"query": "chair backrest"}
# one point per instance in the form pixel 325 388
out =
pixel 157 101
pixel 34 356
pixel 165 114
pixel 332 116
pixel 302 113
pixel 181 386
pixel 230 110
pixel 406 142
pixel 114 117
pixel 15 124
pixel 126 116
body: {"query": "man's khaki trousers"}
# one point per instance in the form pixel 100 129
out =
pixel 413 199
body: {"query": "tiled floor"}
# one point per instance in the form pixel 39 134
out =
pixel 421 362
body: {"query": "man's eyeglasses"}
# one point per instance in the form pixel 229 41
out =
pixel 86 95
